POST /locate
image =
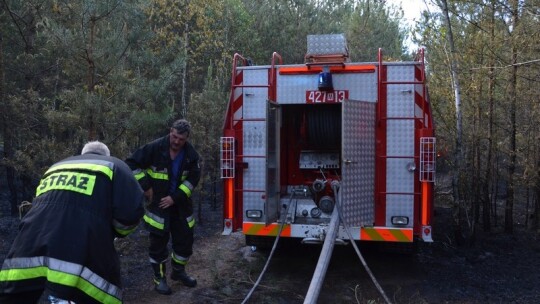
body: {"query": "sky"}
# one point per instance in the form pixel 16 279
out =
pixel 412 10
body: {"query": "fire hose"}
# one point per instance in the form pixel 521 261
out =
pixel 284 216
pixel 326 253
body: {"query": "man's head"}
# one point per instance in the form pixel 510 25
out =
pixel 96 147
pixel 179 134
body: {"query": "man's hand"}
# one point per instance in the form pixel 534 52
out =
pixel 149 194
pixel 166 202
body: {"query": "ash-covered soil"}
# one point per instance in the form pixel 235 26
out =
pixel 498 268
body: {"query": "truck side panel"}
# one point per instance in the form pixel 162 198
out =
pixel 253 153
pixel 400 143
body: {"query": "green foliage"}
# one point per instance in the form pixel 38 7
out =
pixel 205 114
pixel 373 25
pixel 487 36
pixel 122 71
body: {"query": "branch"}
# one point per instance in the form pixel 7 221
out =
pixel 117 62
pixel 13 15
pixel 508 66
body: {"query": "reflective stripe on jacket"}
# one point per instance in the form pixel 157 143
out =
pixel 65 241
pixel 151 166
pixel 63 273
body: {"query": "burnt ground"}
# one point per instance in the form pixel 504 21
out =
pixel 497 268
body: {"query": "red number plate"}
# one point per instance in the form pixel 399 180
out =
pixel 326 96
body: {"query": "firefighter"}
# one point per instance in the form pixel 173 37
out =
pixel 168 170
pixel 65 244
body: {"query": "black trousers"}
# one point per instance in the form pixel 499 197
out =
pixel 29 297
pixel 182 240
pixel 40 296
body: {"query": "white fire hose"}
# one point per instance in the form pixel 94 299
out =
pixel 326 253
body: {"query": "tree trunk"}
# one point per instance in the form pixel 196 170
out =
pixel 509 207
pixel 477 186
pixel 91 74
pixel 486 215
pixel 459 208
pixel 6 134
pixel 536 216
pixel 183 108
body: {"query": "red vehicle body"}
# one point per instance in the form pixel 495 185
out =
pixel 292 131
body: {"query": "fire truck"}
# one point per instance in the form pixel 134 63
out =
pixel 291 131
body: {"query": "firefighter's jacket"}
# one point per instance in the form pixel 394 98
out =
pixel 151 165
pixel 66 241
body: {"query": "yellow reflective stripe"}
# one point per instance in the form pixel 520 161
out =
pixel 185 189
pixel 191 221
pixel 139 175
pixel 87 282
pixel 157 175
pixel 82 166
pixel 58 278
pixel 123 229
pixel 179 259
pixel 124 232
pixel 73 181
pixel 152 222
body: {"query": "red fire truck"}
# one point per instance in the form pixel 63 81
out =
pixel 291 131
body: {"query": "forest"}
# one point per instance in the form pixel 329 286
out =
pixel 122 71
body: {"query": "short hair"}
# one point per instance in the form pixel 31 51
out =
pixel 182 126
pixel 96 147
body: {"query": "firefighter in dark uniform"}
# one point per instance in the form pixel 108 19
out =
pixel 65 245
pixel 168 170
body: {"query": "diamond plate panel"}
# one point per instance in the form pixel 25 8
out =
pixel 398 178
pixel 254 138
pixel 400 100
pixel 400 143
pixel 358 170
pixel 326 44
pixel 291 89
pixel 254 180
pixel 400 72
pixel 253 201
pixel 256 75
pixel 255 98
pixel 400 138
pixel 254 103
pixel 361 86
pixel 255 174
pixel 402 205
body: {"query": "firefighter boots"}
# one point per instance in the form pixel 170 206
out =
pixel 160 281
pixel 179 274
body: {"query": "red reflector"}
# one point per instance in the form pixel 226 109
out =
pixel 427 231
pixel 228 223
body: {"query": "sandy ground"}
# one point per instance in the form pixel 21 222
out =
pixel 498 268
